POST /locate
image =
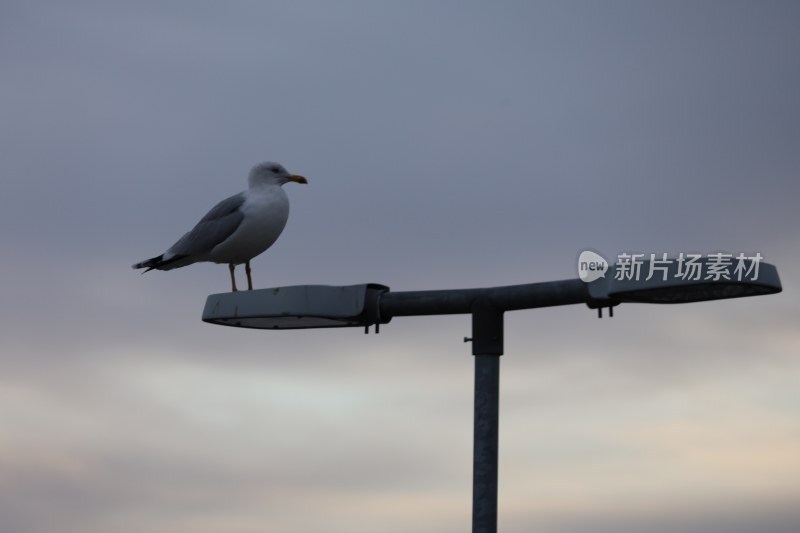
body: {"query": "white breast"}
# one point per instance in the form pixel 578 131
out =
pixel 265 211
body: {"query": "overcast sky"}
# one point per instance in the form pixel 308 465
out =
pixel 447 144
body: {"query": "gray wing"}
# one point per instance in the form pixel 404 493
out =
pixel 215 227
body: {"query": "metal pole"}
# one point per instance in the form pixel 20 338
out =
pixel 487 347
pixel 484 454
pixel 462 301
pixel 311 306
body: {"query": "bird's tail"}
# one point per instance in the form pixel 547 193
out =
pixel 150 264
pixel 159 263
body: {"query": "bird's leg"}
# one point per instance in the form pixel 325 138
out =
pixel 249 278
pixel 231 266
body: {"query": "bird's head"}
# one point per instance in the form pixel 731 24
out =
pixel 270 173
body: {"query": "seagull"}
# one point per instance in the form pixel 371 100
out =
pixel 238 228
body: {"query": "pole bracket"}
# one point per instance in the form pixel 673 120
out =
pixel 487 328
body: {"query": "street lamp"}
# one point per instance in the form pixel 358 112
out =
pixel 365 305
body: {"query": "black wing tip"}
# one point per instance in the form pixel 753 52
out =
pixel 149 264
pixel 157 263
